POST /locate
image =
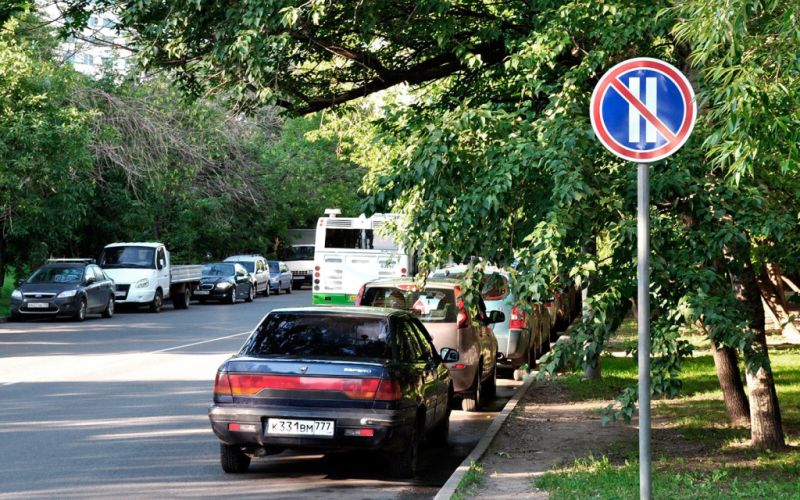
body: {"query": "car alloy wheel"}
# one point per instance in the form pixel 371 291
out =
pixel 109 310
pixel 80 314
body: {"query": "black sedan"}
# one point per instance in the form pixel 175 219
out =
pixel 333 379
pixel 225 282
pixel 66 287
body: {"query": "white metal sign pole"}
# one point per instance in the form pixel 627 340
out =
pixel 643 319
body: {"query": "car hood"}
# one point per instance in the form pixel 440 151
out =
pixel 213 280
pixel 128 276
pixel 47 287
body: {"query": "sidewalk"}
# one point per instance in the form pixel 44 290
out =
pixel 543 431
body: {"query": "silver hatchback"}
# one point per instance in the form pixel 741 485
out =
pixel 440 307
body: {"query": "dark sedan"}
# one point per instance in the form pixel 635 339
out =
pixel 333 379
pixel 225 282
pixel 72 288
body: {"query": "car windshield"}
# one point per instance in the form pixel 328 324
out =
pixel 274 267
pixel 433 305
pixel 57 274
pixel 250 266
pixel 218 270
pixel 305 252
pixel 320 335
pixel 138 257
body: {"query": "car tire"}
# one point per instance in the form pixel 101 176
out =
pixel 14 316
pixel 470 402
pixel 157 303
pixel 181 300
pixel 289 288
pixel 108 312
pixel 490 384
pixel 251 294
pixel 233 459
pixel 267 290
pixel 404 464
pixel 80 314
pixel 232 298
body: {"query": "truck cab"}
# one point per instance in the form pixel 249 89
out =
pixel 144 275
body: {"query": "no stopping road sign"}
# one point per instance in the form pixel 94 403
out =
pixel 643 109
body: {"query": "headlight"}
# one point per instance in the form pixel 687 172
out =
pixel 222 285
pixel 67 293
pixel 142 283
pixel 16 294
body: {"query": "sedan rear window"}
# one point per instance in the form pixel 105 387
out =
pixel 429 305
pixel 320 336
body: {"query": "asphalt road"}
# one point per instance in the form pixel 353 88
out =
pixel 113 408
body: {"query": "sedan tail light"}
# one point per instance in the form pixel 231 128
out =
pixel 463 317
pixel 222 385
pixel 518 316
pixel 360 295
pixel 389 390
pixel 248 384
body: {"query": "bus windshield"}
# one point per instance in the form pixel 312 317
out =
pixel 305 252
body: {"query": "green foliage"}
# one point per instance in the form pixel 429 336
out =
pixel 472 478
pixel 9 284
pixel 598 478
pixel 721 469
pixel 44 160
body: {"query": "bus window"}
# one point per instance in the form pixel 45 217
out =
pixel 361 239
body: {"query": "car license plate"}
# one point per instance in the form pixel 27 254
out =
pixel 38 305
pixel 201 292
pixel 119 294
pixel 290 427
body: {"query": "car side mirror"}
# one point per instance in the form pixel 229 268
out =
pixel 496 317
pixel 449 355
pixel 90 280
pixel 162 263
pixel 20 282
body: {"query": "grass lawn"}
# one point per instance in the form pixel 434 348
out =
pixel 695 453
pixel 5 294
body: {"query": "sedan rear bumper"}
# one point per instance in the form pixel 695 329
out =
pixel 389 428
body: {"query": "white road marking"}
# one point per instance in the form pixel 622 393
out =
pixel 111 361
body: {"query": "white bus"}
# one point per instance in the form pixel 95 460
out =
pixel 349 251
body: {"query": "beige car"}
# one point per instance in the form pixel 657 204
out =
pixel 440 308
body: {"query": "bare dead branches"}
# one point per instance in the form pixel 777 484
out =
pixel 149 138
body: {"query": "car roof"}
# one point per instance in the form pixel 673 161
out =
pixel 378 312
pixel 461 268
pixel 430 282
pixel 244 257
pixel 67 264
pixel 149 244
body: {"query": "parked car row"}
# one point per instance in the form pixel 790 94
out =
pixel 141 274
pixel 380 376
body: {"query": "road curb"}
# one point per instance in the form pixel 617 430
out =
pixel 449 488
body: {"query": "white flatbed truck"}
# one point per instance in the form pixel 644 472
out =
pixel 144 275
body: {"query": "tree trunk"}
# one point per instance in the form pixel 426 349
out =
pixel 730 380
pixel 766 429
pixel 770 284
pixel 591 371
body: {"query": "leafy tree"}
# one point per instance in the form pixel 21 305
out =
pixel 497 157
pixel 44 163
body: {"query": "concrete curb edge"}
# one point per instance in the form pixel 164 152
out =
pixel 449 488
